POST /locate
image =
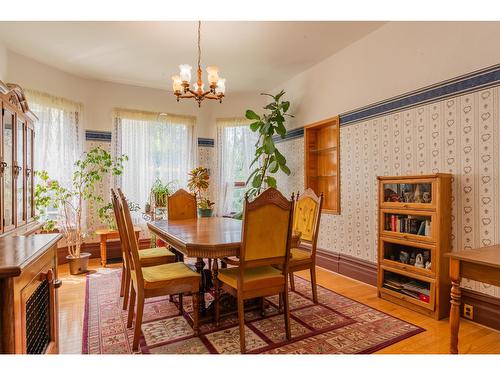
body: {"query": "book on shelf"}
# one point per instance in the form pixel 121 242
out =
pixel 408 224
pixel 421 230
pixel 428 228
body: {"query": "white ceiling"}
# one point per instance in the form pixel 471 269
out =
pixel 252 56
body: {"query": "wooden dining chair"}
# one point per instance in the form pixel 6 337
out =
pixel 181 205
pixel 266 237
pixel 307 215
pixel 154 281
pixel 148 257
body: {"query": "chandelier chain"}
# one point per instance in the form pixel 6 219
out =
pixel 199 45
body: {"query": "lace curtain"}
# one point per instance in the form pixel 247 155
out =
pixel 59 138
pixel 58 134
pixel 235 152
pixel 158 146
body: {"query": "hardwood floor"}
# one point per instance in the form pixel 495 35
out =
pixel 473 338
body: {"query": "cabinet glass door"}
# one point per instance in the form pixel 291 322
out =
pixel 29 174
pixel 20 172
pixel 8 149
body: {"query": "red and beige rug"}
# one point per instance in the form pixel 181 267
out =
pixel 336 325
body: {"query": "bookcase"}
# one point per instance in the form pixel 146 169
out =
pixel 322 162
pixel 414 233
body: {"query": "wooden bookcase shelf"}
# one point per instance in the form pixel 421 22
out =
pixel 415 222
pixel 322 162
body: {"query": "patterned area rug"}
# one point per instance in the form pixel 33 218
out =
pixel 336 325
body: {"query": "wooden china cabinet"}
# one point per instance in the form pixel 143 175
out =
pixel 28 261
pixel 17 210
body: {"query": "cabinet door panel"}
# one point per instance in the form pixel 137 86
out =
pixel 20 173
pixel 29 174
pixel 8 171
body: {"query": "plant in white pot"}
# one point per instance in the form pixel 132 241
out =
pixel 70 202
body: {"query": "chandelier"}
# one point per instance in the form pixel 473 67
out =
pixel 182 82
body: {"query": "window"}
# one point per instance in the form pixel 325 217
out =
pixel 236 149
pixel 158 146
pixel 58 136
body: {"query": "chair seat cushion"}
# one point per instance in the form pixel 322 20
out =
pixel 256 277
pixel 156 276
pixel 156 256
pixel 299 254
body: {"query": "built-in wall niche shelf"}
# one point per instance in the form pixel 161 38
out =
pixel 414 233
pixel 322 162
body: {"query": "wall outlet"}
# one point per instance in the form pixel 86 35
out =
pixel 469 311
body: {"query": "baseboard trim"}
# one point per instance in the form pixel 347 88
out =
pixel 355 268
pixel 94 248
pixel 486 307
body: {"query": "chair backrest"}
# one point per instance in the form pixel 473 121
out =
pixel 307 215
pixel 267 230
pixel 133 245
pixel 181 205
pixel 122 231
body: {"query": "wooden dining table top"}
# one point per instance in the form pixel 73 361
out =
pixel 204 237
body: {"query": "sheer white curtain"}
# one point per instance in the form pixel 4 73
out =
pixel 58 134
pixel 158 146
pixel 235 152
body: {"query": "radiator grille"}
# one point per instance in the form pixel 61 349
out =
pixel 38 320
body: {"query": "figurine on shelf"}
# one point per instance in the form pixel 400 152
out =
pixel 408 197
pixel 404 257
pixel 412 258
pixel 418 195
pixel 426 197
pixel 391 196
pixel 428 265
pixel 419 261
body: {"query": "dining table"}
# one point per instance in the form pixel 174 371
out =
pixel 210 238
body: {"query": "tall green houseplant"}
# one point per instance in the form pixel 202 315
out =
pixel 268 158
pixel 70 202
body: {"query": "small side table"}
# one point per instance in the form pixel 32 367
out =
pixel 110 234
pixel 482 264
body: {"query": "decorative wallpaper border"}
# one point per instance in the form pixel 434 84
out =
pixel 103 136
pixel 456 86
pixel 206 142
pixel 95 135
pixel 473 81
pixel 290 134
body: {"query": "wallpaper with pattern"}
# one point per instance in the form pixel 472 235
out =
pixel 459 135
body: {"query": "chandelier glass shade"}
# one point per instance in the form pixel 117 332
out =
pixel 181 84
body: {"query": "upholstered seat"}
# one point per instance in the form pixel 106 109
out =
pixel 155 256
pixel 155 276
pixel 252 277
pixel 297 254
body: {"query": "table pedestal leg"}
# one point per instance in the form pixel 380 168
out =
pixel 200 265
pixel 103 251
pixel 455 305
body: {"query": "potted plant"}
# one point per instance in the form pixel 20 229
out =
pixel 267 156
pixel 70 202
pixel 160 191
pixel 198 183
pixel 107 216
